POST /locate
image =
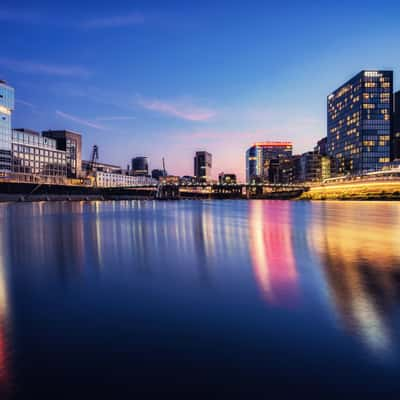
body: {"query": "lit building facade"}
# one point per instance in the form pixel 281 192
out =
pixel 105 179
pixel 360 122
pixel 259 157
pixel 6 109
pixel 228 179
pixel 203 166
pixel 35 154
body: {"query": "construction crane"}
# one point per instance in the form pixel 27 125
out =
pixel 93 159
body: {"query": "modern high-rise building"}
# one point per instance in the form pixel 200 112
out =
pixel 395 155
pixel 140 166
pixel 202 166
pixel 71 143
pixel 259 157
pixel 6 109
pixel 360 122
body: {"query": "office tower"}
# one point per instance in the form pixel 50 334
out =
pixel 140 166
pixel 6 109
pixel 71 143
pixel 395 154
pixel 259 159
pixel 360 123
pixel 202 166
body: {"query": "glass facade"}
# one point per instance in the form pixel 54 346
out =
pixel 203 166
pixel 6 109
pixel 259 157
pixel 34 154
pixel 360 122
pixel 71 144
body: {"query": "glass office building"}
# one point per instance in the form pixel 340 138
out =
pixel 259 157
pixel 35 154
pixel 6 109
pixel 71 143
pixel 360 122
pixel 203 166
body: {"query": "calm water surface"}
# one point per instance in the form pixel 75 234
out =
pixel 257 299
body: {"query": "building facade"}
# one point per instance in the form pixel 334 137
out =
pixel 203 166
pixel 6 109
pixel 140 166
pixel 38 155
pixel 259 159
pixel 395 155
pixel 360 122
pixel 105 179
pixel 71 143
pixel 227 179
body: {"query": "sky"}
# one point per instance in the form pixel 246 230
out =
pixel 167 78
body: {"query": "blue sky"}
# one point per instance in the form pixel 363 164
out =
pixel 167 78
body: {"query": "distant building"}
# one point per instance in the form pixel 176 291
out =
pixel 227 179
pixel 140 166
pixel 322 146
pixel 6 109
pixel 158 173
pixel 203 166
pixel 259 157
pixel 360 122
pixel 187 180
pixel 105 179
pixel 396 128
pixel 37 155
pixel 71 143
pixel 101 167
pixel 280 170
pixel 310 166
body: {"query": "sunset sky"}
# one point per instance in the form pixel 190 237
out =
pixel 167 78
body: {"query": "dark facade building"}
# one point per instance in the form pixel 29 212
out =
pixel 158 173
pixel 396 128
pixel 38 155
pixel 360 122
pixel 280 170
pixel 259 157
pixel 311 167
pixel 71 143
pixel 6 109
pixel 322 146
pixel 227 179
pixel 140 166
pixel 202 166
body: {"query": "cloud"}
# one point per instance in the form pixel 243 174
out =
pixel 80 121
pixel 25 103
pixel 31 67
pixel 115 21
pixel 182 109
pixel 116 118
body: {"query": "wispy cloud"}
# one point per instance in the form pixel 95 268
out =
pixel 116 21
pixel 32 67
pixel 25 103
pixel 183 109
pixel 80 121
pixel 116 118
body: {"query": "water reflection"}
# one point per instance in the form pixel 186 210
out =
pixel 358 246
pixel 272 253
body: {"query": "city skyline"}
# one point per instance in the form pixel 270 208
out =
pixel 128 81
